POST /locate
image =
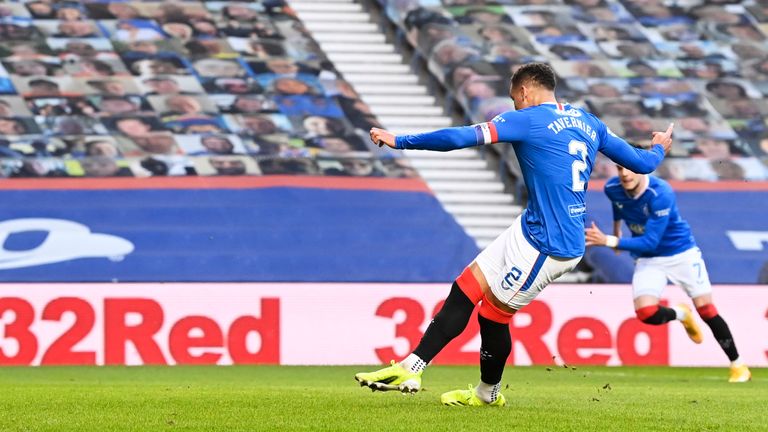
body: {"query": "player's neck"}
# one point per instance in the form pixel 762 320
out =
pixel 542 98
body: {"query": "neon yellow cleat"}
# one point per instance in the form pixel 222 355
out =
pixel 690 325
pixel 469 398
pixel 740 374
pixel 394 377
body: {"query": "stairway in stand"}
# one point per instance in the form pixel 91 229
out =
pixel 461 179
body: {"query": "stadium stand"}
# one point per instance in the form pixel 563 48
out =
pixel 96 89
pixel 636 64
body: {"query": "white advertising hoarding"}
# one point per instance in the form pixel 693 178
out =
pixel 334 324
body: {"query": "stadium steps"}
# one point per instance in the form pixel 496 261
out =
pixel 454 163
pixel 453 186
pixel 383 110
pixel 389 100
pixel 460 179
pixel 473 197
pixel 370 78
pixel 393 68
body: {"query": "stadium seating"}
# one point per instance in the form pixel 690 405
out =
pixel 637 64
pixel 96 89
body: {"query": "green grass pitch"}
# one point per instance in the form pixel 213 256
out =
pixel 255 398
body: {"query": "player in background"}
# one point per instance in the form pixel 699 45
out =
pixel 665 249
pixel 556 145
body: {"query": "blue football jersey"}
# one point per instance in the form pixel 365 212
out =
pixel 556 145
pixel 653 218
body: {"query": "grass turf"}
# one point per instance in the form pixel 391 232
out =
pixel 327 398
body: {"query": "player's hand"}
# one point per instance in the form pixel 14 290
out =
pixel 381 137
pixel 594 236
pixel 664 138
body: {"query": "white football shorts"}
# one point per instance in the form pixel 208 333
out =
pixel 516 271
pixel 686 269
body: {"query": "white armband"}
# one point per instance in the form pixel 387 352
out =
pixel 611 241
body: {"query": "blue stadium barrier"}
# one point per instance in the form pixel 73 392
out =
pixel 261 234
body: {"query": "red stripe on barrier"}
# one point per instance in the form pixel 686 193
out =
pixel 705 186
pixel 224 182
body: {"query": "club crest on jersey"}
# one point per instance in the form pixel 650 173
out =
pixel 569 112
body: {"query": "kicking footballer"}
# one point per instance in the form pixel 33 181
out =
pixel 556 145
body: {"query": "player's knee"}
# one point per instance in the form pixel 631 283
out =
pixel 648 314
pixel 708 311
pixel 493 313
pixel 469 285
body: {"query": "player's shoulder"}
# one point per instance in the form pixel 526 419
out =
pixel 511 114
pixel 659 187
pixel 587 114
pixel 612 186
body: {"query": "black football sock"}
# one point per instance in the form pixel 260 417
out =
pixel 446 325
pixel 723 336
pixel 495 346
pixel 662 315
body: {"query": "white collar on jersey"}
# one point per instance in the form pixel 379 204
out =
pixel 560 106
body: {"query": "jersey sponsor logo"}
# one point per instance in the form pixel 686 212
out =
pixel 662 212
pixel 498 119
pixel 577 210
pixel 65 240
pixel 637 228
pixel 485 133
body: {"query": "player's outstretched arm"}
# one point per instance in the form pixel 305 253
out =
pixel 648 242
pixel 635 159
pixel 440 140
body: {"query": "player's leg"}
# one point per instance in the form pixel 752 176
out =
pixel 495 346
pixel 691 274
pixel 648 283
pixel 448 323
pixel 526 274
pixel 708 312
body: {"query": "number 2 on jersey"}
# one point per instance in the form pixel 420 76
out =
pixel 578 148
